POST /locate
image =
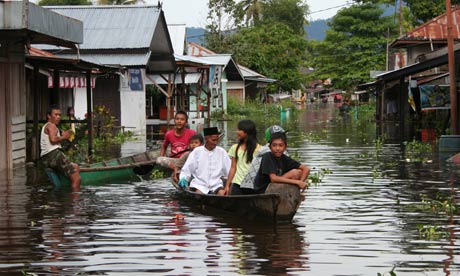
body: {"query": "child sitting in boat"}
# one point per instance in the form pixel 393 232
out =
pixel 176 164
pixel 206 166
pixel 277 167
pixel 241 155
pixel 247 184
pixel 178 137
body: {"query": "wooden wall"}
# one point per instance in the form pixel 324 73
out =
pixel 12 106
pixel 5 156
pixel 236 93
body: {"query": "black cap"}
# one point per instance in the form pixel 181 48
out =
pixel 211 131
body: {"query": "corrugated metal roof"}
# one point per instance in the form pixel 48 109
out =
pixel 433 30
pixel 131 59
pixel 114 27
pixel 193 59
pixel 436 59
pixel 218 59
pixel 39 24
pixel 246 72
pixel 252 75
pixel 39 53
pixel 177 34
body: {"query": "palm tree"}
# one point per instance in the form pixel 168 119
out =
pixel 252 10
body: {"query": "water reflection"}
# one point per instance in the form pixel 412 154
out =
pixel 271 250
pixel 362 219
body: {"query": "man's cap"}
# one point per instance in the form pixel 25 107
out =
pixel 273 129
pixel 211 131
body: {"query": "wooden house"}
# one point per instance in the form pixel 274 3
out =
pixel 24 23
pixel 420 60
pixel 133 37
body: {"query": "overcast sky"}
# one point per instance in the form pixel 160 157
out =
pixel 193 12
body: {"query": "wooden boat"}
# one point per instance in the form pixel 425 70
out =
pixel 123 169
pixel 279 203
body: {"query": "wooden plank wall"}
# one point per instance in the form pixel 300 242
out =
pixel 18 140
pixel 18 113
pixel 12 115
pixel 4 128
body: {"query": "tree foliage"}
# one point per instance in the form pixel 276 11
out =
pixel 273 50
pixel 64 2
pixel 292 13
pixel 273 44
pixel 417 11
pixel 354 45
pixel 220 23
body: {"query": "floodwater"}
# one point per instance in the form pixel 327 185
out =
pixel 362 219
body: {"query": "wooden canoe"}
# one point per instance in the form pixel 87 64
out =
pixel 278 204
pixel 123 169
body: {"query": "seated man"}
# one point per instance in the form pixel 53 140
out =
pixel 206 165
pixel 51 151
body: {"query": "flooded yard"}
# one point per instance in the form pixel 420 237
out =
pixel 377 211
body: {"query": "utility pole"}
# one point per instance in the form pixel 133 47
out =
pixel 451 59
pixel 400 18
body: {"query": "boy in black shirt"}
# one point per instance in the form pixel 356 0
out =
pixel 276 167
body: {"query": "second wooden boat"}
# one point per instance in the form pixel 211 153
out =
pixel 123 169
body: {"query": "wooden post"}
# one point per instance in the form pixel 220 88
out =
pixel 89 112
pixel 198 94
pixel 36 132
pixel 54 97
pixel 168 100
pixel 402 104
pixel 451 59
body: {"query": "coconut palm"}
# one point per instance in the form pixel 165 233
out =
pixel 251 10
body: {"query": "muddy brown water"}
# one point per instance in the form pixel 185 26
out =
pixel 363 219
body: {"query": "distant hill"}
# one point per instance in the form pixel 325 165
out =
pixel 316 30
pixel 195 35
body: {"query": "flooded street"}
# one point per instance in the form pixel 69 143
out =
pixel 375 212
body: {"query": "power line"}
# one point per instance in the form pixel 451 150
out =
pixel 331 8
pixel 327 9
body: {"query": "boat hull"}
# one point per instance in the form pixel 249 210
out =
pixel 278 204
pixel 120 170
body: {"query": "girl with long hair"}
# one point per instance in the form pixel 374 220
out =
pixel 241 155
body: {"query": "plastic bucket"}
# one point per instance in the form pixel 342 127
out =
pixel 283 115
pixel 428 135
pixel 449 143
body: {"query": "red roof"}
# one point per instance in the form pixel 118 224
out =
pixel 198 50
pixel 434 30
pixel 39 53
